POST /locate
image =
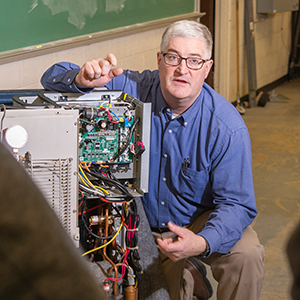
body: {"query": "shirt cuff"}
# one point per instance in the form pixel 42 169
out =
pixel 212 238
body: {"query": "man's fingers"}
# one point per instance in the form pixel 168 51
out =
pixel 87 71
pixel 104 67
pixel 178 230
pixel 112 59
pixel 115 72
pixel 164 242
pixel 164 245
pixel 101 67
pixel 97 72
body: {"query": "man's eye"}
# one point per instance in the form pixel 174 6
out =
pixel 194 61
pixel 173 57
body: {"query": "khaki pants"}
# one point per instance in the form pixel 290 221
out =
pixel 239 273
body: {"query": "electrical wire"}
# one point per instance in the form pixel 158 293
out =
pixel 113 182
pixel 89 190
pixel 115 116
pixel 119 153
pixel 102 246
pixel 89 182
pixel 93 191
pixel 113 201
pixel 91 209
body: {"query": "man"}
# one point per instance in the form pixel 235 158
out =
pixel 201 198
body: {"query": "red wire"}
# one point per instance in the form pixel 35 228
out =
pixel 108 201
pixel 124 263
pixel 90 209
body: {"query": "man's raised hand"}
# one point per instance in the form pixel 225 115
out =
pixel 97 72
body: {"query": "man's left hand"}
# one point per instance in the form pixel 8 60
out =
pixel 188 243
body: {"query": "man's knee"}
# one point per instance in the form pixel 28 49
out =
pixel 246 260
pixel 248 252
pixel 251 257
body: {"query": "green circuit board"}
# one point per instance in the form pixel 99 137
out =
pixel 100 142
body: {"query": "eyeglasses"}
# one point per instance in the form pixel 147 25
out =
pixel 194 63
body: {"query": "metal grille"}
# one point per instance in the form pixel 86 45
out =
pixel 53 178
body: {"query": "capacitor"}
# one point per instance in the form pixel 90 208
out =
pixel 130 293
pixel 89 127
pixel 103 124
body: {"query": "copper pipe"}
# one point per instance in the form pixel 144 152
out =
pixel 105 255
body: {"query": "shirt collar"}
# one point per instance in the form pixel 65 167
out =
pixel 188 115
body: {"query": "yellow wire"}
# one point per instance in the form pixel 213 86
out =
pixel 90 185
pixel 82 179
pixel 106 243
pixel 95 186
pixel 100 188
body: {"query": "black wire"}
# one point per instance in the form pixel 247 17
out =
pixel 118 154
pixel 133 256
pixel 134 238
pixel 115 183
pixel 132 208
pixel 91 191
pixel 135 220
pixel 117 210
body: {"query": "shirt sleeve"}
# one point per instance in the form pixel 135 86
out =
pixel 60 77
pixel 233 192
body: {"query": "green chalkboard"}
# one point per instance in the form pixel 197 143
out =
pixel 26 23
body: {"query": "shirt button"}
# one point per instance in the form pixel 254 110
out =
pixel 70 86
pixel 164 179
pixel 168 109
pixel 162 203
pixel 165 155
pixel 185 123
pixel 170 131
pixel 54 79
pixel 163 224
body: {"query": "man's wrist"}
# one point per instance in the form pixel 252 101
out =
pixel 207 249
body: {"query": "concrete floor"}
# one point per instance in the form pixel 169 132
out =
pixel 275 137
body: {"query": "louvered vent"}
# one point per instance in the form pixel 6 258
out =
pixel 53 177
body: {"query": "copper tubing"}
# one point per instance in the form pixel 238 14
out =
pixel 105 255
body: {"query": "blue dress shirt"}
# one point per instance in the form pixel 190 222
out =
pixel 199 161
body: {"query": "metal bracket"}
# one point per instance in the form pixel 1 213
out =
pixel 250 43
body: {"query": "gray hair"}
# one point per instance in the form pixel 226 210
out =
pixel 188 29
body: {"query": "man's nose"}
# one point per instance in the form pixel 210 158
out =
pixel 182 67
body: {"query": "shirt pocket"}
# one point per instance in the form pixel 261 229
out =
pixel 192 183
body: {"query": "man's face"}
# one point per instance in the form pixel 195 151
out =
pixel 180 85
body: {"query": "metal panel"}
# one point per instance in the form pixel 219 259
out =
pixel 53 148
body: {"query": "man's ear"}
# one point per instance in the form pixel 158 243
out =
pixel 159 58
pixel 208 66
